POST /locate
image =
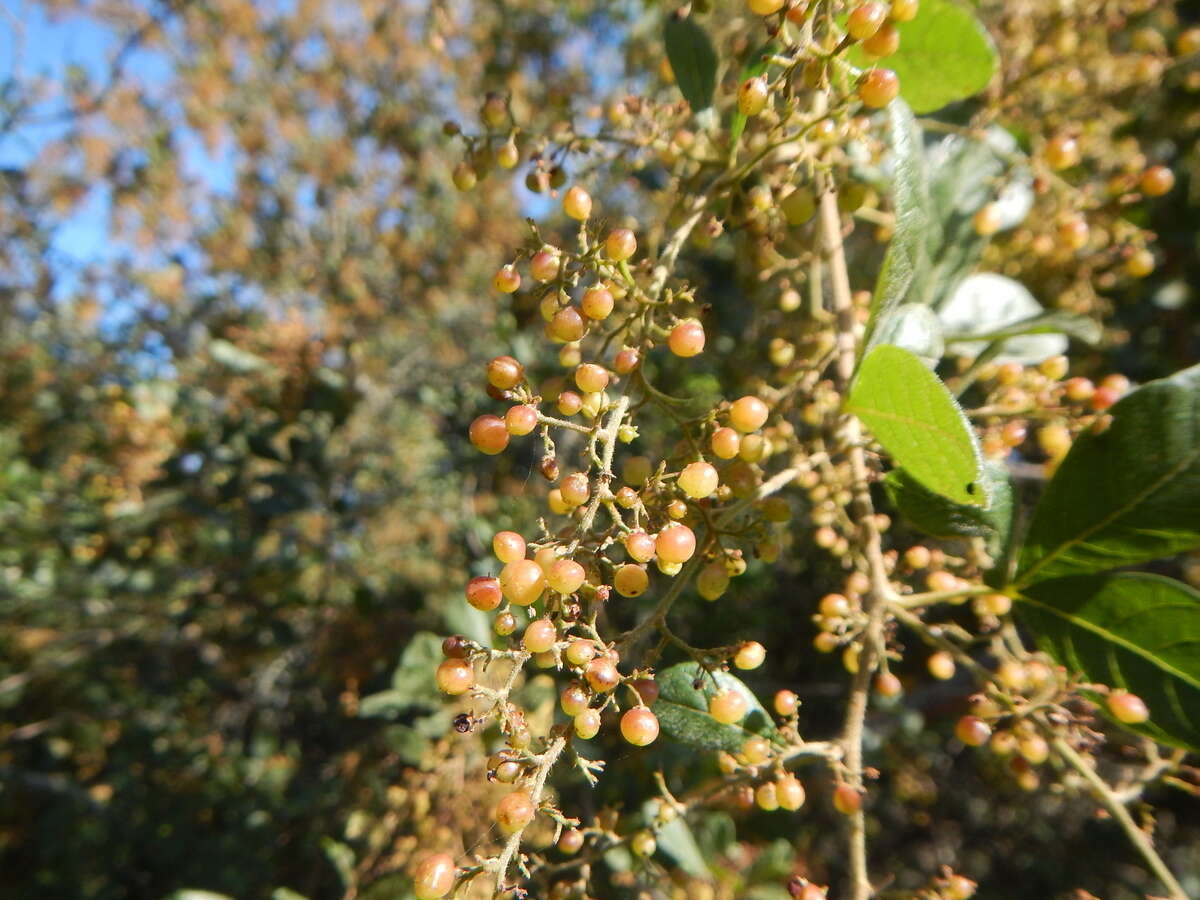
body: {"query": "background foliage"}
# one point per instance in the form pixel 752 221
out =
pixel 235 491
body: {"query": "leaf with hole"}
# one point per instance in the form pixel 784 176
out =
pixel 945 55
pixel 1127 630
pixel 682 708
pixel 1127 494
pixel 912 414
pixel 693 60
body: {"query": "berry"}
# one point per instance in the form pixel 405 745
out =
pixel 756 750
pixel 1034 748
pixel 1188 42
pixel 566 576
pixel 883 42
pixel 631 581
pixel 888 685
pixel 514 812
pixel 753 95
pixel 790 793
pixel 941 665
pixel 1073 232
pixel 597 303
pixel 570 841
pixel 698 480
pixel 994 604
pixel 626 361
pixel 647 689
pixel 575 489
pixel 713 581
pixel 620 244
pixel 569 403
pixel 1062 152
pixel 1054 439
pixel 878 87
pixel 972 731
pixel 675 544
pixel 507 279
pixel 602 675
pixel 508 546
pixel 750 655
pixel 520 420
pixel 643 844
pixel 904 10
pixel 834 606
pixel 686 338
pixel 847 800
pixel 505 624
pixel 917 556
pixel 1078 390
pixel 540 635
pixel 455 676
pixel 434 876
pixel 865 19
pixel 507 771
pixel 591 378
pixel 786 703
pixel 639 546
pixel 798 205
pixel 1140 263
pixel 567 325
pixel 765 7
pixel 1127 708
pixel 544 264
pixel 1157 180
pixel 464 176
pixel 573 699
pixel 725 443
pixel 748 414
pixel 587 724
pixel 489 434
pixel 728 707
pixel 766 797
pixel 987 220
pixel 580 652
pixel 577 203
pixel 483 593
pixel 639 726
pixel 508 155
pixel 505 373
pixel 522 581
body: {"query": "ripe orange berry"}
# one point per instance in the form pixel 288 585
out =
pixel 786 703
pixel 1054 439
pixel 698 480
pixel 888 685
pixel 514 812
pixel 748 414
pixel 1073 232
pixel 1128 708
pixel 489 434
pixel 725 443
pixel 904 10
pixel 569 403
pixel 591 378
pixel 1078 390
pixel 566 576
pixel 753 95
pixel 847 800
pixel 520 420
pixel 434 876
pixel 756 750
pixel 750 655
pixel 505 624
pixel 522 581
pixel 639 726
pixel 972 731
pixel 865 19
pixel 504 373
pixel 1157 180
pixel 1062 152
pixel 728 707
pixel 575 489
pixel 647 689
pixel 567 325
pixel 987 220
pixel 620 244
pixel 597 303
pixel 573 699
pixel 765 7
pixel 686 338
pixel 587 724
pixel 878 87
pixel 577 203
pixel 626 360
pixel 455 676
pixel 483 593
pixel 602 675
pixel 639 546
pixel 883 42
pixel 834 606
pixel 941 665
pixel 507 279
pixel 1140 263
pixel 544 264
pixel 675 544
pixel 540 635
pixel 571 841
pixel 790 793
pixel 508 546
pixel 766 797
pixel 631 581
pixel 580 652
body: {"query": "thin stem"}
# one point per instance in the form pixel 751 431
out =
pixel 545 762
pixel 1140 840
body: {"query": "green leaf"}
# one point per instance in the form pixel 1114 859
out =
pixel 756 64
pixel 907 257
pixel 1127 630
pixel 1082 328
pixel 1126 495
pixel 693 60
pixel 341 857
pixel 942 518
pixel 914 416
pixel 682 709
pixel 945 55
pixel 675 839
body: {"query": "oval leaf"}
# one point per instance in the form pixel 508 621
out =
pixel 1127 630
pixel 693 60
pixel 914 416
pixel 1127 495
pixel 941 518
pixel 945 55
pixel 682 709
